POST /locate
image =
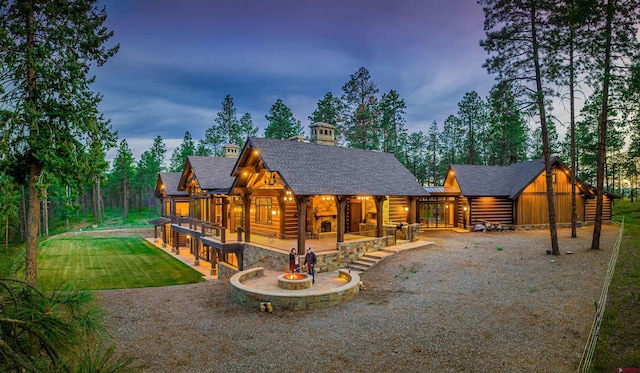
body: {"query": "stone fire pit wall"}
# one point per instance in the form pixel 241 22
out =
pixel 293 300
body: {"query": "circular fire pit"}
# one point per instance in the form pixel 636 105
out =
pixel 294 281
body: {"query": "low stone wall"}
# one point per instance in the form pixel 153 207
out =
pixel 257 256
pixel 225 271
pixel 350 251
pixel 293 300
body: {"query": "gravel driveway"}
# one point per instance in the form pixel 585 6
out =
pixel 472 302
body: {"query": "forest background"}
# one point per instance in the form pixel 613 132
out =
pixel 502 128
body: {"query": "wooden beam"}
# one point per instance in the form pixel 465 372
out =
pixel 301 202
pixel 341 206
pixel 379 207
pixel 246 199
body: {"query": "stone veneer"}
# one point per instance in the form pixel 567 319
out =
pixel 293 300
pixel 278 260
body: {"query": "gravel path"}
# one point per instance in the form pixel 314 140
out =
pixel 460 305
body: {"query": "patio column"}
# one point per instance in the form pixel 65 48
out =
pixel 173 208
pixel 175 241
pixel 301 201
pixel 341 207
pixel 195 243
pixel 411 217
pixel 379 206
pixel 281 206
pixel 246 200
pixel 225 208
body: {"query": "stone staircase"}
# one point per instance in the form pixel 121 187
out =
pixel 369 260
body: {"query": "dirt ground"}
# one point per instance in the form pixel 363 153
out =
pixel 471 302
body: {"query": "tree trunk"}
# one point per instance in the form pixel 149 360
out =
pixel 602 134
pixel 545 136
pixel 45 213
pixel 23 214
pixel 6 235
pixel 94 201
pixel 125 199
pixel 574 207
pixel 99 201
pixel 33 227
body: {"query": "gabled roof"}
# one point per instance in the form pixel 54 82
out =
pixel 314 169
pixel 168 182
pixel 212 173
pixel 501 181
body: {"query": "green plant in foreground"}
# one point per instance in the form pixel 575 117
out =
pixel 53 332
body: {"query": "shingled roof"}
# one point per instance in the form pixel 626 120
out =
pixel 212 173
pixel 314 169
pixel 170 180
pixel 499 181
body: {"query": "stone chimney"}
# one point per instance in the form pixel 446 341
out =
pixel 230 151
pixel 323 133
pixel 296 138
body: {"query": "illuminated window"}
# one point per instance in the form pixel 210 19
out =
pixel 230 258
pixel 263 210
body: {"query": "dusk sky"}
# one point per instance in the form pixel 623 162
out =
pixel 179 59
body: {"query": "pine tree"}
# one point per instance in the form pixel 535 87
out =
pixel 282 124
pixel 514 32
pixel 247 128
pixel 46 51
pixel 360 103
pixel 391 109
pixel 507 131
pixel 181 152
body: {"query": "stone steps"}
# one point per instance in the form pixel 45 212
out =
pixel 368 260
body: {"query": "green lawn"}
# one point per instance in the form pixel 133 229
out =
pixel 98 263
pixel 619 340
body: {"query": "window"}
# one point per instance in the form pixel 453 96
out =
pixel 230 258
pixel 263 210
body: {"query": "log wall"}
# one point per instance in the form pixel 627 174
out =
pixel 396 209
pixel 492 209
pixel 590 209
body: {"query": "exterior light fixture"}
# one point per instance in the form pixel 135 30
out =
pixel 406 208
pixel 274 212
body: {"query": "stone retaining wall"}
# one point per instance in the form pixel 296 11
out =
pixel 293 300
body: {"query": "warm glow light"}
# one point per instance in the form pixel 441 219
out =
pixel 244 173
pixel 465 208
pixel 274 212
pixel 406 209
pixel 255 152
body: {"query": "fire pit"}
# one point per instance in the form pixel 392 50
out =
pixel 294 281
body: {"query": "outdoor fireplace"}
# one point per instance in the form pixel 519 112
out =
pixel 325 226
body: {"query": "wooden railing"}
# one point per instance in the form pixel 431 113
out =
pixel 207 229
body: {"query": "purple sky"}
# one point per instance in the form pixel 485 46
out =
pixel 178 59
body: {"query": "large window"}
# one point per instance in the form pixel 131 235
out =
pixel 263 210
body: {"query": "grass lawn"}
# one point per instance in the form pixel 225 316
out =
pixel 619 340
pixel 98 263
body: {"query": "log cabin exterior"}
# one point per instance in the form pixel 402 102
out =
pixel 515 195
pixel 173 203
pixel 294 189
pixel 211 217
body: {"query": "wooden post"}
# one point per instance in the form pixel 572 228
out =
pixel 195 243
pixel 301 201
pixel 225 208
pixel 411 218
pixel 246 200
pixel 379 206
pixel 341 206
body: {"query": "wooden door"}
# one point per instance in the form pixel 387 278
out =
pixel 355 216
